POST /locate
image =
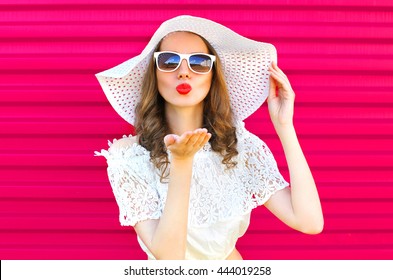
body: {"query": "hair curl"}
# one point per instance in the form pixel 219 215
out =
pixel 151 125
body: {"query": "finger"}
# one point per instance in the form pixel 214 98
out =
pixel 281 82
pixel 170 139
pixel 207 138
pixel 278 72
pixel 272 89
pixel 275 67
pixel 198 136
pixel 203 139
pixel 278 80
pixel 185 137
pixel 283 89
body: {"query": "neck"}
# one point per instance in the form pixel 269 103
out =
pixel 181 120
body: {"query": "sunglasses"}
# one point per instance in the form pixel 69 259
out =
pixel 200 63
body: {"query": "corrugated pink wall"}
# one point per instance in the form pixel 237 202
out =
pixel 55 199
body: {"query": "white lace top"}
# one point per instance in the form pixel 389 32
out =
pixel 221 199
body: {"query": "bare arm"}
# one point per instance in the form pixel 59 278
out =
pixel 299 207
pixel 166 237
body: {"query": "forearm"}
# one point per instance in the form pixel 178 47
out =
pixel 304 195
pixel 170 237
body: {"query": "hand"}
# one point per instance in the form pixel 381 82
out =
pixel 281 98
pixel 185 146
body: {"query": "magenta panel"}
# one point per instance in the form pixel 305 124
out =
pixel 55 198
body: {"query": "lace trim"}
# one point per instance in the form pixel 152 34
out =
pixel 125 151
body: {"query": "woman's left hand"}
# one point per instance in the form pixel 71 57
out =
pixel 281 98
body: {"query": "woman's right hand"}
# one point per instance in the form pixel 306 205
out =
pixel 186 145
pixel 166 237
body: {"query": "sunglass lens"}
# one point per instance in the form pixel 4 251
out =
pixel 200 63
pixel 168 61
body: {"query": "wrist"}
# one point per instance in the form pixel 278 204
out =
pixel 288 139
pixel 284 130
pixel 180 160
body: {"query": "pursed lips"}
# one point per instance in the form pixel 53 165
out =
pixel 183 88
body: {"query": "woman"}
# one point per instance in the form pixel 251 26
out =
pixel 190 177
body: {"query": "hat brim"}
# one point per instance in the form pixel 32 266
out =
pixel 245 65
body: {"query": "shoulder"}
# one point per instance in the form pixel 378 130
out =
pixel 123 143
pixel 126 147
pixel 245 136
pixel 250 144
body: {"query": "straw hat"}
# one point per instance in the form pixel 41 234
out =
pixel 245 64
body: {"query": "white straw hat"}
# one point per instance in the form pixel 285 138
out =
pixel 245 64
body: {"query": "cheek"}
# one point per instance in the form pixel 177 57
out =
pixel 162 81
pixel 207 83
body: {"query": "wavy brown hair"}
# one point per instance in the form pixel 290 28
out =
pixel 151 125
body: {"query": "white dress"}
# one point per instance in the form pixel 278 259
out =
pixel 221 199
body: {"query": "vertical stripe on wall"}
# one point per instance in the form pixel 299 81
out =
pixel 55 198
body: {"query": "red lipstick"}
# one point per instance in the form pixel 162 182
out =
pixel 183 88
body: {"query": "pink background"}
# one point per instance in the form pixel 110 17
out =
pixel 55 199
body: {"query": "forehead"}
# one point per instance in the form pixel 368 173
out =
pixel 183 42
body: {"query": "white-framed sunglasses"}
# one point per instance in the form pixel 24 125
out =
pixel 200 63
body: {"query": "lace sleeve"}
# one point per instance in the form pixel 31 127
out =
pixel 262 176
pixel 131 183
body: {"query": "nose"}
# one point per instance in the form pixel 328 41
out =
pixel 183 71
